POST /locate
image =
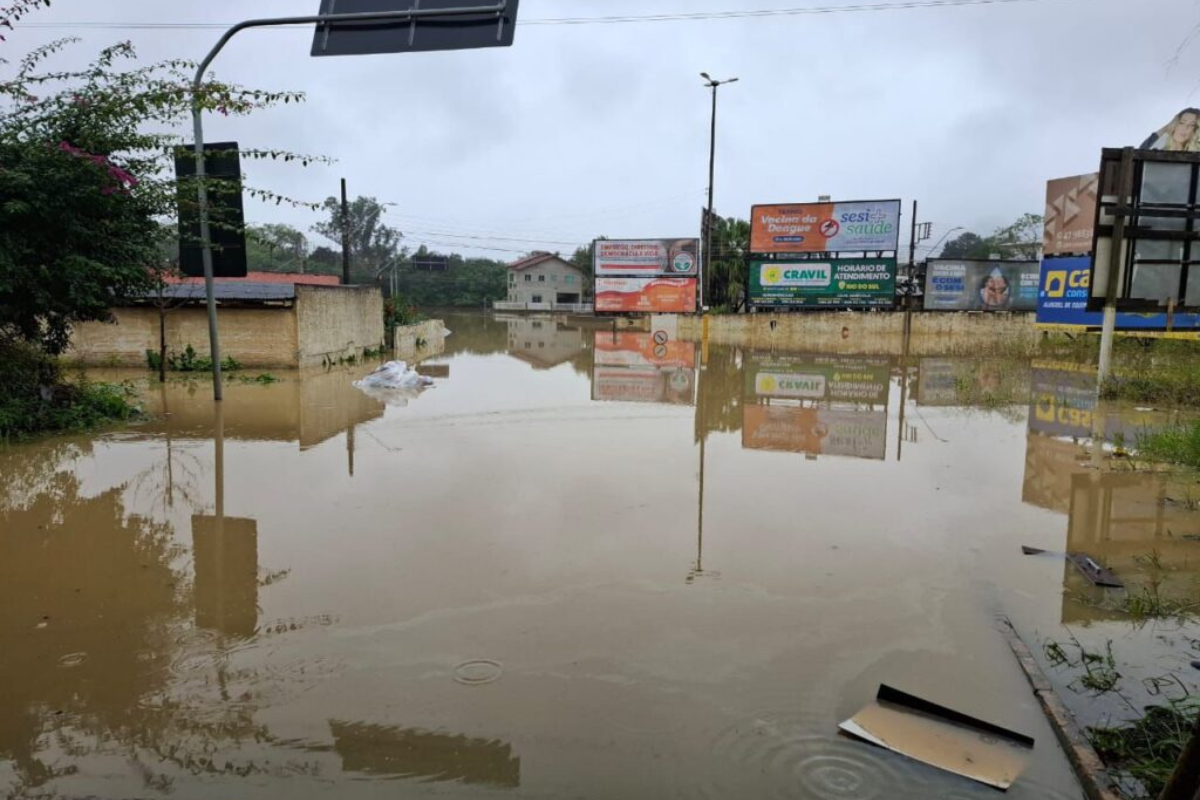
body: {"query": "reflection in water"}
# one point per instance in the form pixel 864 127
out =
pixel 146 649
pixel 387 751
pixel 818 405
pixel 634 367
pixel 225 555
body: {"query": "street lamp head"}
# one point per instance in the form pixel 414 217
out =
pixel 705 76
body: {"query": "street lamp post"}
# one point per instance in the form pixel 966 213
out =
pixel 403 15
pixel 712 161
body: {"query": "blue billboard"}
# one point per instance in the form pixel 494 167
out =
pixel 1063 297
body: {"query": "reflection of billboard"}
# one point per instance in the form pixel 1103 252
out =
pixel 837 282
pixel 632 349
pixel 644 385
pixel 816 431
pixel 633 367
pixel 964 285
pixel 649 295
pixel 937 384
pixel 1062 402
pixel 863 226
pixel 646 257
pixel 1070 214
pixel 832 378
pixel 1063 301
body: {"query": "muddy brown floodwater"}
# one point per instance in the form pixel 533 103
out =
pixel 582 566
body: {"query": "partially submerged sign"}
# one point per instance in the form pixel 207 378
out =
pixel 942 737
pixel 493 25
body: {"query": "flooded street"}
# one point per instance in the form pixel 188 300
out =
pixel 584 564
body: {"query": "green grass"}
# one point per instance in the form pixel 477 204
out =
pixel 1157 371
pixel 38 398
pixel 1147 749
pixel 1178 444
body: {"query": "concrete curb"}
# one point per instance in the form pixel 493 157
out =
pixel 1093 777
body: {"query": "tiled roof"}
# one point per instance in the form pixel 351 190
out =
pixel 291 278
pixel 539 258
pixel 229 290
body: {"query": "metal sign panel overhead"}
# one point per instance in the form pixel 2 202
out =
pixel 460 28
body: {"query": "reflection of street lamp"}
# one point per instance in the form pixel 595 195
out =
pixel 712 159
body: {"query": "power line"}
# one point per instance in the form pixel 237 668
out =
pixel 766 13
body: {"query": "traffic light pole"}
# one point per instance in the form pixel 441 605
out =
pixel 198 130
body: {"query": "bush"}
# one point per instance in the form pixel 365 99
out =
pixel 38 399
pixel 190 361
pixel 1177 444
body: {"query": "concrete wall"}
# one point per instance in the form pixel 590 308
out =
pixel 869 333
pixel 431 332
pixel 547 280
pixel 257 337
pixel 337 321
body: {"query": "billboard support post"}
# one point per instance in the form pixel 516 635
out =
pixel 1108 332
pixel 345 211
pixel 912 258
pixel 412 14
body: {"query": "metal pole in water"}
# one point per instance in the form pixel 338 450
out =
pixel 1115 263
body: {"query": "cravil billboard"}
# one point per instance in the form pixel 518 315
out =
pixel 651 295
pixel 1063 291
pixel 860 226
pixel 646 257
pixel 960 285
pixel 834 378
pixel 834 283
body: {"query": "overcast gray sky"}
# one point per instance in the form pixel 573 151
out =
pixel 602 129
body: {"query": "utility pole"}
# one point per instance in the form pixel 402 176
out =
pixel 345 237
pixel 1115 263
pixel 706 278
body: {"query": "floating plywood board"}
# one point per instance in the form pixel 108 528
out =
pixel 942 738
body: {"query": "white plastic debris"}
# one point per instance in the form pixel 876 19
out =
pixel 394 375
pixel 394 384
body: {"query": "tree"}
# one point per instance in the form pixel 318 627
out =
pixel 1021 239
pixel 276 247
pixel 85 178
pixel 967 245
pixel 373 244
pixel 731 246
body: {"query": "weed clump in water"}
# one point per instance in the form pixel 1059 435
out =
pixel 1148 749
pixel 1177 444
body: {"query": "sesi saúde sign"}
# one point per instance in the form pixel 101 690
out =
pixel 859 226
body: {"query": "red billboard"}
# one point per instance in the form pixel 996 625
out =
pixel 649 295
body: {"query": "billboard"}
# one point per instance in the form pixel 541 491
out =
pixel 831 378
pixel 657 295
pixel 1063 291
pixel 632 367
pixel 1180 135
pixel 815 431
pixel 646 257
pixel 1070 214
pixel 633 349
pixel 226 215
pixel 865 225
pixel 834 283
pixel 966 285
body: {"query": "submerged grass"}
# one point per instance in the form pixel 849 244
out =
pixel 1158 371
pixel 1148 749
pixel 1177 444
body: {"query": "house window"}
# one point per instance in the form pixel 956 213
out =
pixel 537 298
pixel 537 325
pixel 569 279
pixel 512 278
pixel 541 278
pixel 528 278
